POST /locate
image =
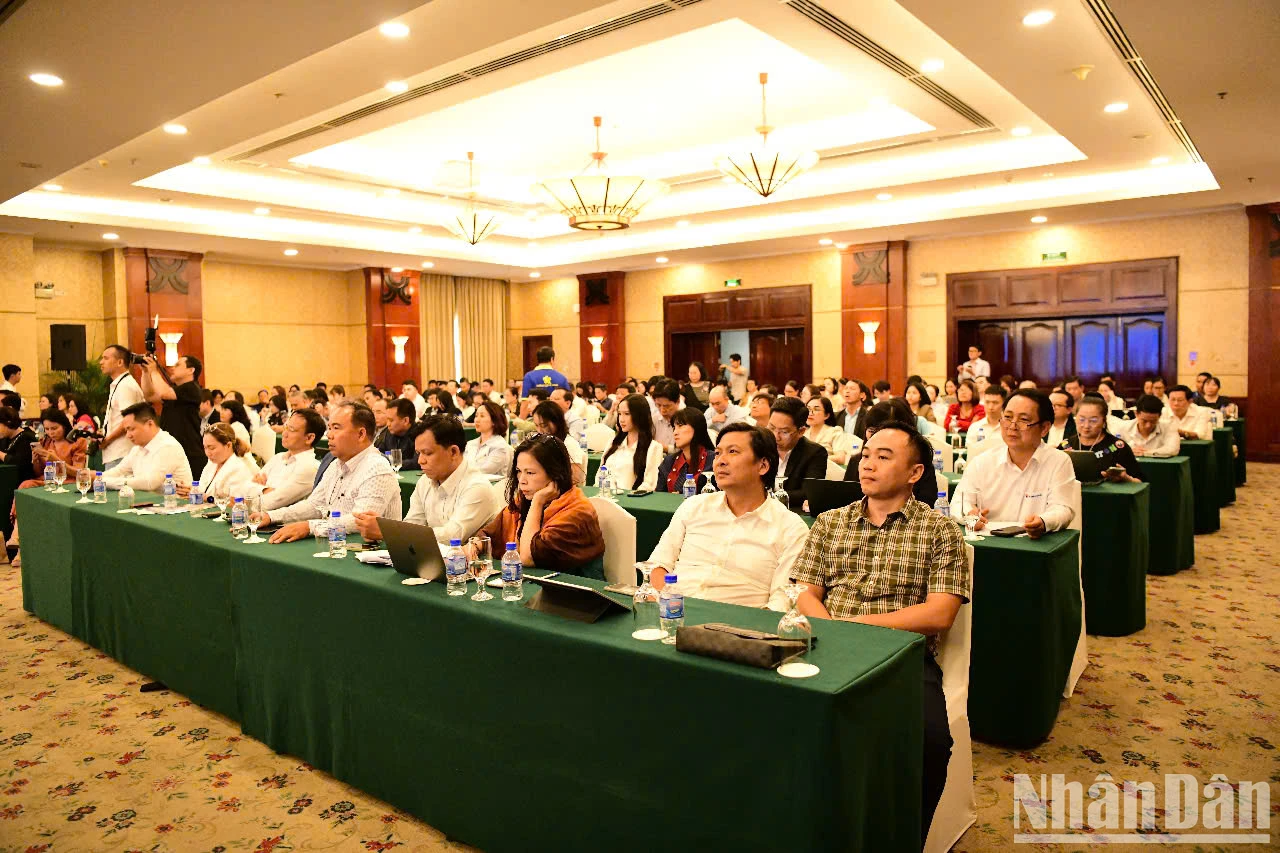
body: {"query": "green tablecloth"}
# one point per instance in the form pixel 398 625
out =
pixel 8 483
pixel 413 696
pixel 1172 505
pixel 1223 438
pixel 1238 428
pixel 1114 554
pixel 1204 484
pixel 593 465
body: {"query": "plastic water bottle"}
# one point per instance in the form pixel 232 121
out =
pixel 196 499
pixel 337 535
pixel 170 492
pixel 50 482
pixel 690 488
pixel 99 488
pixel 602 483
pixel 512 574
pixel 124 500
pixel 582 437
pixel 240 521
pixel 670 609
pixel 455 568
pixel 937 461
pixel 942 505
pixel 1215 418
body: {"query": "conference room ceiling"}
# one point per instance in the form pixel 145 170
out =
pixel 293 118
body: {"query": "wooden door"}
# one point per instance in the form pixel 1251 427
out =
pixel 1090 348
pixel 1039 350
pixel 778 355
pixel 689 347
pixel 532 343
pixel 1141 343
pixel 997 341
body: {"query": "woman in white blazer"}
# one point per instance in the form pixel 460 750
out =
pixel 489 452
pixel 230 464
pixel 634 457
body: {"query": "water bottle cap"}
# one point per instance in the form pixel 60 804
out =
pixel 97 473
pixel 239 500
pixel 511 546
pixel 170 477
pixel 455 543
pixel 195 483
pixel 335 514
pixel 669 579
pixel 942 493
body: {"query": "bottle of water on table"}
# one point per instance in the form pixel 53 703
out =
pixel 124 500
pixel 50 477
pixel 195 499
pixel 670 609
pixel 455 568
pixel 602 482
pixel 170 492
pixel 240 520
pixel 937 461
pixel 512 574
pixel 942 505
pixel 337 535
pixel 690 488
pixel 99 488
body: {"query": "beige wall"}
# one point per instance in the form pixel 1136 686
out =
pixel 1213 302
pixel 545 308
pixel 77 278
pixel 18 326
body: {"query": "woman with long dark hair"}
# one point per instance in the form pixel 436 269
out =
pixel 443 402
pixel 694 453
pixel 231 411
pixel 821 430
pixel 966 409
pixel 634 457
pixel 548 419
pixel 917 399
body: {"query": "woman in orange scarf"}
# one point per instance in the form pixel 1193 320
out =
pixel 54 447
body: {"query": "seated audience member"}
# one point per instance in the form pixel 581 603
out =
pixel 966 409
pixel 799 459
pixel 277 413
pixel 721 411
pixel 511 402
pixel 230 464
pixel 1189 420
pixel 490 390
pixel 1063 426
pixel 697 387
pixel 694 453
pixel 980 383
pixel 574 422
pixel 551 519
pixel 601 400
pixel 452 497
pixel 734 545
pixel 896 411
pixel 1107 391
pixel 883 391
pixel 890 560
pixel 1025 482
pixel 232 413
pixel 624 390
pixel 1027 384
pixel 400 416
pixel 289 476
pixel 489 452
pixel 58 445
pixel 1092 435
pixel 808 392
pixel 1200 378
pixel 1158 390
pixel 1075 387
pixel 369 394
pixel 359 480
pixel 318 399
pixel 1147 433
pixel 16 440
pixel 791 389
pixel 154 454
pixel 440 401
pixel 839 444
pixel 918 400
pixel 78 415
pixel 207 411
pixel 1008 384
pixel 761 405
pixel 949 388
pixel 853 417
pixel 666 402
pixel 379 407
pixel 634 456
pixel 992 407
pixel 744 399
pixel 548 419
pixel 409 391
pixel 1208 396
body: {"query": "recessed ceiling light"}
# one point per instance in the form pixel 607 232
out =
pixel 879 101
pixel 1117 107
pixel 726 180
pixel 397 269
pixel 395 87
pixel 842 245
pixel 825 241
pixel 291 252
pixel 531 245
pixel 1039 219
pixel 42 79
pixel 175 129
pixel 1048 174
pixel 391 191
pixel 535 274
pixel 426 265
pixel 111 235
pixel 201 161
pixel 662 259
pixel 931 66
pixel 394 30
pixel 57 188
pixel 1038 18
pixel 1021 130
pixel 415 229
pixel 1159 161
pixel 262 211
pixel 884 196
pixel 683 223
pixel 531 214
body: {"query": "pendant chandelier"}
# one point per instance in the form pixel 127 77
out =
pixel 765 170
pixel 597 201
pixel 472 223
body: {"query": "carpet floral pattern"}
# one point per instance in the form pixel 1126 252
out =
pixel 88 763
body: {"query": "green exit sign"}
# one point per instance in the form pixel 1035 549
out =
pixel 1053 257
pixel 733 282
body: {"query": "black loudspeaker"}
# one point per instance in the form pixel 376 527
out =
pixel 66 347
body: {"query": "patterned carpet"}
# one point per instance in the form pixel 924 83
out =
pixel 87 763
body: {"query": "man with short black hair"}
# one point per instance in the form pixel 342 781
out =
pixel 379 409
pixel 986 434
pixel 1201 378
pixel 1073 386
pixel 799 459
pixel 1190 420
pixel 1148 434
pixel 853 417
pixel 761 405
pixel 882 390
pixel 154 454
pixel 666 402
pixel 409 391
pixel 1064 425
pixel 544 374
pixel 491 392
pixel 179 396
pixel 12 377
pixel 1158 390
pixel 124 392
pixel 976 365
pixel 737 378
pixel 573 422
pixel 289 475
pixel 896 411
pixel 400 416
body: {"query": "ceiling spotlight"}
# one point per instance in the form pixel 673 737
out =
pixel 415 229
pixel 42 79
pixel 531 245
pixel 394 30
pixel 291 252
pixel 535 274
pixel 175 129
pixel 111 235
pixel 1038 18
pixel 397 269
pixel 395 87
pixel 1021 130
pixel 842 246
pixel 57 188
pixel 1155 161
pixel 1117 107
pixel 262 211
pixel 825 241
pixel 201 161
pixel 884 196
pixel 1039 220
pixel 426 265
pixel 1048 174
pixel 683 223
pixel 531 214
pixel 662 259
pixel 391 191
pixel 931 66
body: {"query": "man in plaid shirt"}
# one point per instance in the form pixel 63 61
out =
pixel 892 561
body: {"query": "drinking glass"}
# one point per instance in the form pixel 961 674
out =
pixel 221 497
pixel 322 531
pixel 709 487
pixel 646 624
pixel 396 458
pixel 619 488
pixel 84 482
pixel 972 511
pixel 59 476
pixel 253 506
pixel 779 494
pixel 794 625
pixel 481 566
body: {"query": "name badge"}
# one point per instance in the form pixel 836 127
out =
pixel 1033 497
pixel 1098 453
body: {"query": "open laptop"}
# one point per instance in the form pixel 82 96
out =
pixel 831 494
pixel 413 548
pixel 1088 466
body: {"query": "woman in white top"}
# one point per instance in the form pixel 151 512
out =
pixel 634 457
pixel 231 411
pixel 839 444
pixel 548 419
pixel 489 453
pixel 230 464
pixel 1107 390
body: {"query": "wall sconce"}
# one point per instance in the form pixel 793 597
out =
pixel 596 355
pixel 399 341
pixel 170 347
pixel 869 336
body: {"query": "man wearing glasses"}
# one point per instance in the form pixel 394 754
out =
pixel 799 459
pixel 1026 482
pixel 1063 426
pixel 1118 463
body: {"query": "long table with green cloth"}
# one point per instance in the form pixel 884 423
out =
pixel 1237 427
pixel 413 696
pixel 1204 484
pixel 1172 503
pixel 1223 438
pixel 8 484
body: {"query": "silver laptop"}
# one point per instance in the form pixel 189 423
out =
pixel 413 547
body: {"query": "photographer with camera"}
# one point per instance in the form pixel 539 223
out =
pixel 179 394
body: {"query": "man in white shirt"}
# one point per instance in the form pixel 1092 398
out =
pixel 289 475
pixel 1073 386
pixel 1063 426
pixel 1158 390
pixel 1025 482
pixel 735 545
pixel 976 366
pixel 1146 434
pixel 452 497
pixel 993 405
pixel 761 405
pixel 666 402
pixel 360 479
pixel 737 377
pixel 1190 420
pixel 409 390
pixel 13 376
pixel 722 411
pixel 487 388
pixel 125 392
pixel 572 421
pixel 155 453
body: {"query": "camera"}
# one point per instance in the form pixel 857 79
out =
pixel 149 341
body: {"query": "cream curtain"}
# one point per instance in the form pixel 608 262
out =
pixel 438 307
pixel 482 324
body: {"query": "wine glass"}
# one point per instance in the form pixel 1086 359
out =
pixel 779 494
pixel 59 476
pixel 794 625
pixel 709 487
pixel 252 508
pixel 222 497
pixel 481 566
pixel 972 511
pixel 396 458
pixel 616 484
pixel 84 482
pixel 646 624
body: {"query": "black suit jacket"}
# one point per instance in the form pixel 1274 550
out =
pixel 389 441
pixel 860 425
pixel 808 461
pixel 925 490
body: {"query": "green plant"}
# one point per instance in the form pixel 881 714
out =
pixel 90 383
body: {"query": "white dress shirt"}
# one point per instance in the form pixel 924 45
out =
pixel 419 405
pixel 1196 421
pixel 490 457
pixel 836 441
pixel 975 367
pixel 1163 441
pixel 621 465
pixel 123 394
pixel 994 439
pixel 744 559
pixel 289 477
pixel 241 433
pixel 733 414
pixel 456 508
pixel 145 466
pixel 1044 488
pixel 365 483
pixel 1056 434
pixel 236 474
pixel 980 430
